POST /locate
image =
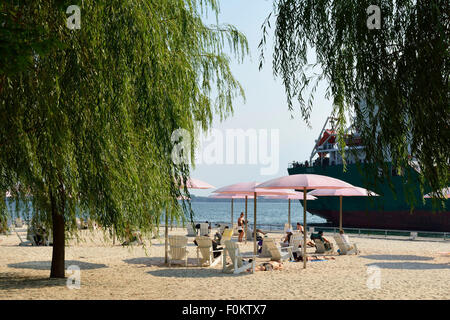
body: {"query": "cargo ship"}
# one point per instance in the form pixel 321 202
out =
pixel 389 211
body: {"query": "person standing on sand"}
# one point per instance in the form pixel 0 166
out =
pixel 240 227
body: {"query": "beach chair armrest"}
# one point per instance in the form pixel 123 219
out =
pixel 248 256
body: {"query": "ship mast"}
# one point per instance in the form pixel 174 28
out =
pixel 315 149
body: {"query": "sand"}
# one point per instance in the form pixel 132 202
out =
pixel 405 269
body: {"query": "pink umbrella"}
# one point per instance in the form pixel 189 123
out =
pixel 305 182
pixel 344 192
pixel 297 196
pixel 229 196
pixel 192 183
pixel 445 192
pixel 252 188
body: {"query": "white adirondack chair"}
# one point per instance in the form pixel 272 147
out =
pixel 344 244
pixel 205 248
pixel 191 231
pixel 18 223
pixel 226 235
pixel 279 253
pixel 265 253
pixel 238 263
pixel 296 242
pixel 204 229
pixel 178 248
pixel 320 247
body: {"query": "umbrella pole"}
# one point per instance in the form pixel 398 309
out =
pixel 304 229
pixel 340 213
pixel 114 235
pixel 232 209
pixel 166 235
pixel 255 250
pixel 246 224
pixel 289 211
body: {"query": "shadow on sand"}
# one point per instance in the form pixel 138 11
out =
pixel 159 262
pixel 45 265
pixel 9 281
pixel 179 270
pixel 183 272
pixel 146 261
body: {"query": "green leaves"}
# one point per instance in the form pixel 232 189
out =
pixel 90 117
pixel 394 81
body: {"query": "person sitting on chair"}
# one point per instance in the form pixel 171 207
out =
pixel 346 241
pixel 319 236
pixel 287 239
pixel 215 245
pixel 132 237
pixel 259 237
pixel 217 236
pixel 299 227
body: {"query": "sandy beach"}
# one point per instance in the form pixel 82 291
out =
pixel 406 269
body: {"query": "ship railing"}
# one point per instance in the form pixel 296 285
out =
pixel 359 232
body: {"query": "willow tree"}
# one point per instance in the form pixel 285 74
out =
pixel 386 63
pixel 87 127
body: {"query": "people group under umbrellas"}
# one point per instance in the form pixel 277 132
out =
pixel 283 188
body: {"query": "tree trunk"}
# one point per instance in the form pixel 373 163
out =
pixel 58 254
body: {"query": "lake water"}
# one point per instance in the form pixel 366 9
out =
pixel 268 213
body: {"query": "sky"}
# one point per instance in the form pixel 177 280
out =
pixel 265 109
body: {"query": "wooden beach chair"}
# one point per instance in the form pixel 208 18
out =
pixel 296 242
pixel 265 253
pixel 18 223
pixel 191 232
pixel 81 224
pixel 205 248
pixel 226 235
pixel 30 242
pixel 345 247
pixel 238 263
pixel 178 248
pixel 204 229
pixel 320 247
pixel 278 253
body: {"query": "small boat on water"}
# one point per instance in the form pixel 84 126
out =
pixel 388 211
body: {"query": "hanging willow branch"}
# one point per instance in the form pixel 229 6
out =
pixel 106 103
pixel 394 80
